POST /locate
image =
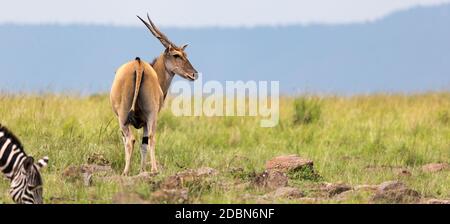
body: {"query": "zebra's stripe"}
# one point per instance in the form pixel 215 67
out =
pixel 8 141
pixel 17 163
pixel 13 152
pixel 17 189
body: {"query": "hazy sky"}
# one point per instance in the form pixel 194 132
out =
pixel 196 13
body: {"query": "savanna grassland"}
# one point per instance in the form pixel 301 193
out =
pixel 353 140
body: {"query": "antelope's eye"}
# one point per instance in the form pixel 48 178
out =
pixel 176 56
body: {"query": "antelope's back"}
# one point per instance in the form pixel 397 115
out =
pixel 122 90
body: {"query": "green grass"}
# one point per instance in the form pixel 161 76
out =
pixel 306 110
pixel 354 140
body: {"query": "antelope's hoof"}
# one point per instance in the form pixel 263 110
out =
pixel 125 173
pixel 154 172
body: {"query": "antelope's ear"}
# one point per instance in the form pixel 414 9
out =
pixel 28 163
pixel 42 163
pixel 184 46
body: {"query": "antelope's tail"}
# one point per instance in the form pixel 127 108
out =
pixel 138 73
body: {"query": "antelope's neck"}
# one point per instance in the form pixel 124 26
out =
pixel 164 76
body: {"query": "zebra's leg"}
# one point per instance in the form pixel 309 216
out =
pixel 144 148
pixel 128 141
pixel 152 138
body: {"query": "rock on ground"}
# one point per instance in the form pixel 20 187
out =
pixel 286 192
pixel 310 200
pixel 128 198
pixel 395 192
pixel 435 167
pixel 202 172
pixel 335 189
pixel 171 182
pixel 177 181
pixel 366 187
pixel 345 195
pixel 270 179
pixel 98 159
pixel 178 196
pixel 391 185
pixel 84 173
pixel 437 201
pixel 288 163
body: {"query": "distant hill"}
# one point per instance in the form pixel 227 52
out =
pixel 405 52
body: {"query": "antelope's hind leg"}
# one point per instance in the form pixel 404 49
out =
pixel 128 141
pixel 144 147
pixel 151 127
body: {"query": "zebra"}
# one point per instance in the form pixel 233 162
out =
pixel 20 169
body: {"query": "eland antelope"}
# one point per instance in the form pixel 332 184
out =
pixel 139 90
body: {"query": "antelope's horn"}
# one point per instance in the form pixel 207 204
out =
pixel 157 33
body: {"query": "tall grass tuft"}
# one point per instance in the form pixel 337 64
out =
pixel 444 117
pixel 307 110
